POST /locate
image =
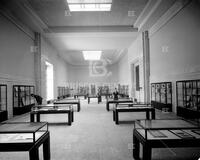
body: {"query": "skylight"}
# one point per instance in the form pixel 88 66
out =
pixel 89 5
pixel 92 55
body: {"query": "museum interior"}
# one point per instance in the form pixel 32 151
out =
pixel 99 79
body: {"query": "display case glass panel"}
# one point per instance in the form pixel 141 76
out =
pixel 167 129
pixel 21 132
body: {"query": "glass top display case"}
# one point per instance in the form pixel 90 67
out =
pixel 49 107
pixel 167 129
pixel 22 132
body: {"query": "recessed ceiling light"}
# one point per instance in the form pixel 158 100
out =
pixel 89 5
pixel 92 55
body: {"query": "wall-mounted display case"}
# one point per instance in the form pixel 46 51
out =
pixel 123 90
pixel 161 95
pixel 188 98
pixel 22 99
pixel 3 103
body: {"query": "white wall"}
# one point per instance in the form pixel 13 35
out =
pixel 49 54
pixel 135 57
pixel 123 69
pixel 82 74
pixel 16 59
pixel 181 36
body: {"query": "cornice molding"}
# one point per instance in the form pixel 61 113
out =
pixel 89 29
pixel 146 13
pixel 7 14
pixel 33 16
pixel 171 12
pixel 16 79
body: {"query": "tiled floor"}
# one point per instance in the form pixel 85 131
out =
pixel 94 136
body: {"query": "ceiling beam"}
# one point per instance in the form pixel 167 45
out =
pixel 78 29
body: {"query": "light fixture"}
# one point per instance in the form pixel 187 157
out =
pixel 89 5
pixel 92 55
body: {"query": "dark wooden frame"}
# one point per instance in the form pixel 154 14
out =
pixel 31 147
pixel 3 113
pixel 70 101
pixel 94 96
pixel 22 108
pixel 188 111
pixel 134 108
pixel 117 102
pixel 147 144
pixel 51 111
pixel 157 103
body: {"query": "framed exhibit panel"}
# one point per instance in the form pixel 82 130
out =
pixel 22 99
pixel 161 96
pixel 188 98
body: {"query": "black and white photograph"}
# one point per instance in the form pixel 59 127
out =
pixel 99 79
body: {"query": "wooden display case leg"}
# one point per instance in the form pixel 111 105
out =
pixel 34 153
pixel 153 114
pixel 69 118
pixel 38 117
pixel 32 117
pixel 147 115
pixel 136 148
pixel 116 117
pixel 146 155
pixel 46 149
pixel 107 106
pixel 113 115
pixel 79 107
pixel 72 114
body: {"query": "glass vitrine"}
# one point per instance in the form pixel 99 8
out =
pixel 3 102
pixel 161 95
pixel 21 132
pixel 167 129
pixel 188 98
pixel 22 99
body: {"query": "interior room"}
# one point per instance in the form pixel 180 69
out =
pixel 99 79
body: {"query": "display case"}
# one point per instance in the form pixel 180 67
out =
pixel 22 99
pixel 24 136
pixel 52 109
pixel 3 103
pixel 170 133
pixel 188 98
pixel 63 92
pixel 123 90
pixel 161 96
pixel 21 132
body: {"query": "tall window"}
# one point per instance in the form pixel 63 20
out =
pixel 49 81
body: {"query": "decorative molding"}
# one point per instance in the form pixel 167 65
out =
pixel 171 12
pixel 175 77
pixel 89 29
pixel 33 16
pixel 16 79
pixel 142 19
pixel 7 14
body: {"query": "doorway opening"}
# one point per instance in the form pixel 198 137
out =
pixel 49 81
pixel 136 81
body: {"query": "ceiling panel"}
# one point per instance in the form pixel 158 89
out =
pixel 53 13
